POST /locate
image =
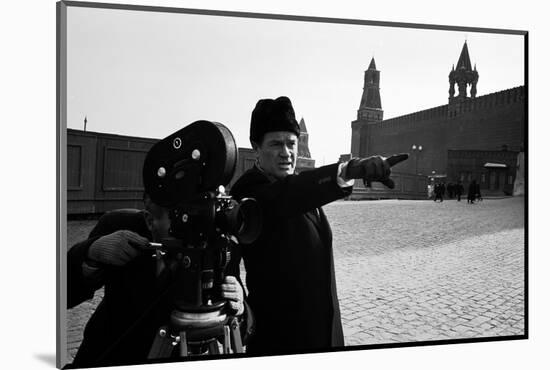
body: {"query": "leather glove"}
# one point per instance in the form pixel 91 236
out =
pixel 233 292
pixel 117 249
pixel 375 168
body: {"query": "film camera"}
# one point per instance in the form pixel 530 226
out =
pixel 186 172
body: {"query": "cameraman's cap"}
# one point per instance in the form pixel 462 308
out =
pixel 272 115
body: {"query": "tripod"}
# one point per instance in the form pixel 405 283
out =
pixel 197 333
pixel 196 253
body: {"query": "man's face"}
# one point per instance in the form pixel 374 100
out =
pixel 158 222
pixel 277 153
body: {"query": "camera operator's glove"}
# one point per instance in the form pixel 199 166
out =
pixel 233 292
pixel 375 168
pixel 117 249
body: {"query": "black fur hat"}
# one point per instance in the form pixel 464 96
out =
pixel 272 115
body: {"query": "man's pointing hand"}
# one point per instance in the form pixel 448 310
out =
pixel 375 168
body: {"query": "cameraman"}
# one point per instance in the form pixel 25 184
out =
pixel 137 300
pixel 290 271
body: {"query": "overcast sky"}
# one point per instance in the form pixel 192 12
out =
pixel 149 74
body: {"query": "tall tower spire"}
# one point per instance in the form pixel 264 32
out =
pixel 370 106
pixel 464 58
pixel 463 76
pixel 372 64
pixel 369 112
pixel 303 141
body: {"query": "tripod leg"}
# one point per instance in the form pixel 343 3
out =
pixel 213 348
pixel 226 340
pixel 236 342
pixel 162 345
pixel 183 344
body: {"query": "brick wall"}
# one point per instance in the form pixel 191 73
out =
pixel 485 123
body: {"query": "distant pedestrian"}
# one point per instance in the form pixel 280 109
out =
pixel 478 193
pixel 472 192
pixel 430 191
pixel 459 189
pixel 450 188
pixel 439 190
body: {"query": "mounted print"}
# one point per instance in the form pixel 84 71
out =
pixel 238 184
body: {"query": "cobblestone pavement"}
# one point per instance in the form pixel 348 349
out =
pixel 419 270
pixel 412 270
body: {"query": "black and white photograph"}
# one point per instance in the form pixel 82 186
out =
pixel 242 184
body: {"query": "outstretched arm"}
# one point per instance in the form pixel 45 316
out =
pixel 296 194
pixel 293 195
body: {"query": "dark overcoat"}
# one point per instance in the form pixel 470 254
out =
pixel 290 268
pixel 136 301
pixel 472 191
pixel 111 336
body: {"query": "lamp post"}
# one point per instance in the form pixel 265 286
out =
pixel 417 149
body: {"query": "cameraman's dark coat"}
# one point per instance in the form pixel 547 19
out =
pixel 289 269
pixel 136 301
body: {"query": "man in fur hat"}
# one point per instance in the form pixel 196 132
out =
pixel 290 271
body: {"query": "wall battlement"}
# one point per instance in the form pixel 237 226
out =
pixel 499 98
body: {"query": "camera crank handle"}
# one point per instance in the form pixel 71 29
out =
pixel 159 253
